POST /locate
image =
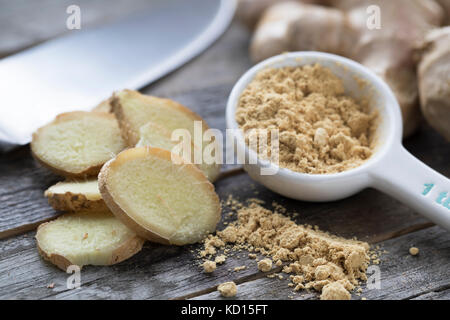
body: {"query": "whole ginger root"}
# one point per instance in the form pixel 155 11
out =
pixel 445 4
pixel 434 80
pixel 390 51
pixel 341 28
pixel 249 11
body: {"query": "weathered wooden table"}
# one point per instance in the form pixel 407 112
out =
pixel 161 272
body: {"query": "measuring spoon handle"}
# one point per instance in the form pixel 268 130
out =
pixel 409 180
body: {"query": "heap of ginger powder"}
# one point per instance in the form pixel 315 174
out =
pixel 313 259
pixel 321 130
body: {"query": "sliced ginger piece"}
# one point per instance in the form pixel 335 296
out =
pixel 86 238
pixel 104 106
pixel 76 196
pixel 77 144
pixel 154 135
pixel 134 110
pixel 160 200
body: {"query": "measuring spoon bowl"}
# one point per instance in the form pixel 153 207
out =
pixel 391 169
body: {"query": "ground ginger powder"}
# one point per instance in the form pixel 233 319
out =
pixel 321 130
pixel 313 259
pixel 227 289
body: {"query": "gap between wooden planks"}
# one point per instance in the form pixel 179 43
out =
pixel 169 271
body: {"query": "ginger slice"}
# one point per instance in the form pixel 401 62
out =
pixel 134 110
pixel 160 200
pixel 86 238
pixel 76 196
pixel 154 135
pixel 77 144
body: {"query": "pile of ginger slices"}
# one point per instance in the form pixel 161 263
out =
pixel 123 184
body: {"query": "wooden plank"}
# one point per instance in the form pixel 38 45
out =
pixel 426 276
pixel 157 272
pixel 22 185
pixel 168 272
pixel 435 295
pixel 262 289
pixel 404 276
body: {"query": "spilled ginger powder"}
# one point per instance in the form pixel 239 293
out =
pixel 321 130
pixel 209 266
pixel 265 265
pixel 227 289
pixel 314 259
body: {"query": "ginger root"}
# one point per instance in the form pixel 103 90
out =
pixel 280 30
pixel 445 4
pixel 342 29
pixel 434 80
pixel 249 11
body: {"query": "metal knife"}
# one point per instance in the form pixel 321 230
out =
pixel 77 71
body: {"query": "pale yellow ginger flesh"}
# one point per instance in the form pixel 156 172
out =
pixel 154 135
pixel 162 201
pixel 134 110
pixel 88 188
pixel 86 239
pixel 139 115
pixel 75 196
pixel 78 143
pixel 104 106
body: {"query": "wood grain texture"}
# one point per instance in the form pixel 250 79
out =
pixel 426 276
pixel 434 295
pixel 160 272
pixel 22 186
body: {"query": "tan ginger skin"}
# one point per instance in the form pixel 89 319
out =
pixel 434 80
pixel 340 27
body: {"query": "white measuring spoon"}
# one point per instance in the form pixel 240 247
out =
pixel 391 169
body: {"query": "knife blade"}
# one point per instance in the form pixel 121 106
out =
pixel 77 71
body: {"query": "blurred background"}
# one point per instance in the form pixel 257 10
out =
pixel 25 23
